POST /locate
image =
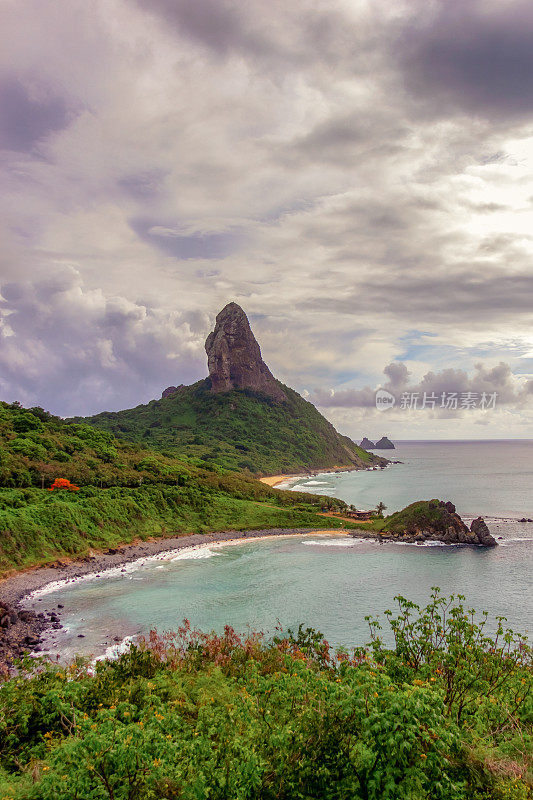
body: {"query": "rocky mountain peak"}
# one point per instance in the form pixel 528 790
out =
pixel 234 356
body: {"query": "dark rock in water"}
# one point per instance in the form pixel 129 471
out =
pixel 367 444
pixel 234 357
pixel 482 533
pixel 384 444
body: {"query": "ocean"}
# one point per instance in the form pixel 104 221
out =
pixel 329 581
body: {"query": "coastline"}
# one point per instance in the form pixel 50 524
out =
pixel 274 480
pixel 24 634
pixel 15 588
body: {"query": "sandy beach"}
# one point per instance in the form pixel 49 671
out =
pixel 14 588
pixel 273 480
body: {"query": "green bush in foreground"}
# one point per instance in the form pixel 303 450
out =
pixel 194 716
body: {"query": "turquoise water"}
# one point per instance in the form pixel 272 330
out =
pixel 329 581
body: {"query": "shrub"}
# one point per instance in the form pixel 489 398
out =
pixel 63 484
pixel 216 716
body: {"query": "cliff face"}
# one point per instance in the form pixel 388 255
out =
pixel 234 357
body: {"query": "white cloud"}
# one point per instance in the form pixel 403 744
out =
pixel 272 154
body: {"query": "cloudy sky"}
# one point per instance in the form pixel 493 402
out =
pixel 357 174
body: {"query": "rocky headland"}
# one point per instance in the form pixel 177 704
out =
pixel 240 416
pixel 434 520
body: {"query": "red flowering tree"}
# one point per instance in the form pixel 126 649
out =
pixel 64 483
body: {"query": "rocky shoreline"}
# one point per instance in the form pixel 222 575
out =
pixel 21 629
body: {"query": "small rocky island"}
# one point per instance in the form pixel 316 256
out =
pixel 432 520
pixel 383 444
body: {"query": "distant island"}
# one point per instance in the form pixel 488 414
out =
pixel 383 444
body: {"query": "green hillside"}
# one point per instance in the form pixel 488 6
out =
pixel 126 491
pixel 240 430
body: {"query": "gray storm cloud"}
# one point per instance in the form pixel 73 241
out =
pixel 28 116
pixel 475 56
pixel 75 351
pixel 355 175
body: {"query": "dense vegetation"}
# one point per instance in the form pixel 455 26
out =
pixel 239 430
pixel 36 447
pixel 416 516
pixel 445 714
pixel 127 491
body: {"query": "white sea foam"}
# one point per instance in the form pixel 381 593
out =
pixel 203 551
pixel 511 539
pixel 115 650
pixel 316 483
pixel 347 542
pixel 126 569
pixel 431 543
pixel 350 542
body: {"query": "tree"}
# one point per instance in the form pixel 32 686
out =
pixel 64 483
pixel 380 508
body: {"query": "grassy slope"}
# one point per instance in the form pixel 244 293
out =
pixel 239 430
pixel 36 527
pixel 127 491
